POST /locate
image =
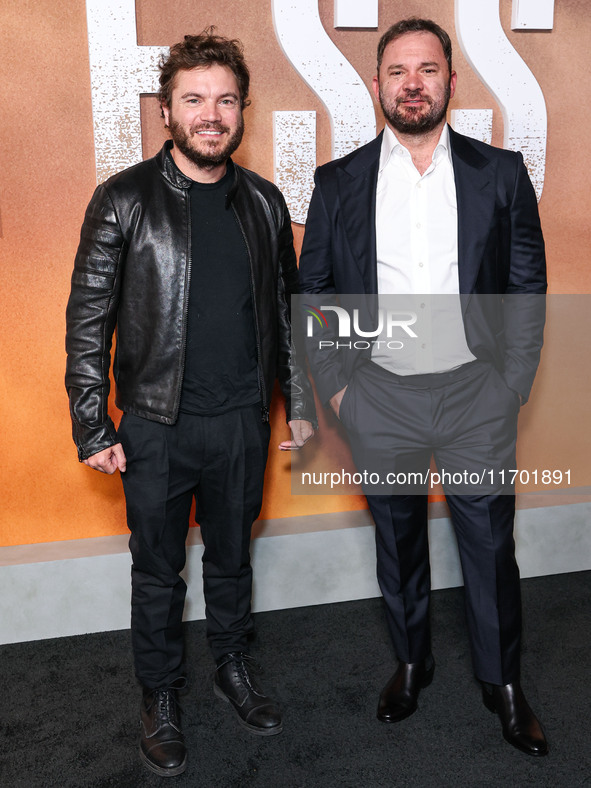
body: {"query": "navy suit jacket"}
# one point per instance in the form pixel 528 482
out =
pixel 500 254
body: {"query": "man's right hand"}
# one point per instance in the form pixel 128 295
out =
pixel 108 460
pixel 336 399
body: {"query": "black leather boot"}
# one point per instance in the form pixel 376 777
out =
pixel 234 683
pixel 399 697
pixel 521 727
pixel 162 745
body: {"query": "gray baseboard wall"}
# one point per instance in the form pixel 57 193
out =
pixel 71 588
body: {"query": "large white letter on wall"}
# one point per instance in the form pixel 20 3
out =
pixel 508 78
pixel 475 123
pixel 352 13
pixel 334 80
pixel 532 15
pixel 294 154
pixel 120 71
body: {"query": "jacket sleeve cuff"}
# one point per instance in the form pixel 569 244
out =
pixel 91 440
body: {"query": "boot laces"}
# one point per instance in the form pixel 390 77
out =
pixel 243 664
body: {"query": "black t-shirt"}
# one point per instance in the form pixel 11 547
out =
pixel 221 371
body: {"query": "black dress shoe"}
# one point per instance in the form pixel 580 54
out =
pixel 398 699
pixel 234 683
pixel 520 725
pixel 162 746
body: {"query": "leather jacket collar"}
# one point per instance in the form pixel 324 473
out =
pixel 174 176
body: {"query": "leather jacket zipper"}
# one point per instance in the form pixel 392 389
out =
pixel 185 303
pixel 261 376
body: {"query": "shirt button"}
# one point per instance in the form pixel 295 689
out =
pixel 418 225
pixel 420 265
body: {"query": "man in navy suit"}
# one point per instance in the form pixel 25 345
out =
pixel 426 213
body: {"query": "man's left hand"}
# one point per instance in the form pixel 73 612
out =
pixel 301 431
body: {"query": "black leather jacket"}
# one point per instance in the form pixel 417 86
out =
pixel 132 273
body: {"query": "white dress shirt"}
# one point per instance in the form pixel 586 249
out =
pixel 417 260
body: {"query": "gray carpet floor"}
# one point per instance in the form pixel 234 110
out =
pixel 69 712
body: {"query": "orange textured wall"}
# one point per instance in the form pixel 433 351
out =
pixel 47 175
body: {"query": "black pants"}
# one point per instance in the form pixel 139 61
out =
pixel 219 460
pixel 467 420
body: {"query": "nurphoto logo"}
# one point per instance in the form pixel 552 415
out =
pixel 389 324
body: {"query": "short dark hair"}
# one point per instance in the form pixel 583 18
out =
pixel 201 51
pixel 415 25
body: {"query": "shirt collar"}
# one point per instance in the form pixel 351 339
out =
pixel 390 144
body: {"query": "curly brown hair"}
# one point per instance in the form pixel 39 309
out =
pixel 202 51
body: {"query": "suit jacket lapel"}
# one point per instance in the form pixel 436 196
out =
pixel 357 183
pixel 475 195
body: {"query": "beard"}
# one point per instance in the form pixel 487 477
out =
pixel 210 155
pixel 411 120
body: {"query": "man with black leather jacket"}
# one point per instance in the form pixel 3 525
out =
pixel 190 258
